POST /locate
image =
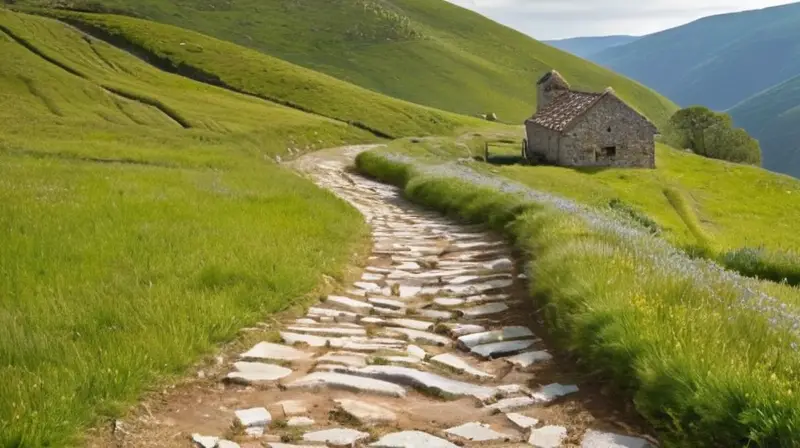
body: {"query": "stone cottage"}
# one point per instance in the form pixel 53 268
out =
pixel 573 128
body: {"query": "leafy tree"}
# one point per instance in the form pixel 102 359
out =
pixel 711 134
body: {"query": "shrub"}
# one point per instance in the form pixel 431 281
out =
pixel 711 134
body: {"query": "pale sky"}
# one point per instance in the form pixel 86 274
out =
pixel 556 19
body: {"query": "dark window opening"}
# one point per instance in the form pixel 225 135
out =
pixel 609 129
pixel 610 151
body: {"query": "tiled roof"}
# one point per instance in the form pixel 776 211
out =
pixel 564 109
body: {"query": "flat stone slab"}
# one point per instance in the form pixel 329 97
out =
pixel 435 314
pixel 522 422
pixel 311 340
pixel 278 352
pixel 412 439
pixel 344 316
pixel 257 372
pixel 299 422
pixel 502 264
pixel 389 311
pixel 454 362
pixel 346 358
pixel 512 404
pixel 548 437
pixel 552 391
pixel 426 380
pixel 412 324
pixel 477 432
pixel 253 417
pixel 366 413
pixel 227 444
pixel 372 320
pixel 528 359
pixel 367 286
pixel 448 302
pixel 306 321
pixel 371 277
pixel 416 351
pixel 484 310
pixel 205 441
pixel 423 337
pixel 292 408
pixel 502 348
pixel 507 333
pixel 387 303
pixel 409 291
pixel 349 304
pixel 336 437
pixel 334 380
pixel 597 439
pixel 459 330
pixel 328 331
pixel 289 445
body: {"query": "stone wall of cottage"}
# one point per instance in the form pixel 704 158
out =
pixel 610 134
pixel 543 143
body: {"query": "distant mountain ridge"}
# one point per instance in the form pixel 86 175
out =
pixel 590 45
pixel 716 61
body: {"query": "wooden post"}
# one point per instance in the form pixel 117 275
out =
pixel 486 152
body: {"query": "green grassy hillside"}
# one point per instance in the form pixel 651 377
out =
pixel 772 117
pixel 425 51
pixel 142 222
pixel 717 61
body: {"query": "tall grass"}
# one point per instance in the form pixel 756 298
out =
pixel 707 357
pixel 130 246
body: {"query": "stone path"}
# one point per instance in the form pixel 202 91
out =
pixel 428 349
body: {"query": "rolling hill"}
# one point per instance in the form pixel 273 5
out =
pixel 427 52
pixel 717 61
pixel 772 117
pixel 585 47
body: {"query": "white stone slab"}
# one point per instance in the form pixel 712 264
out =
pixel 596 439
pixel 344 316
pixel 412 324
pixel 412 439
pixel 502 348
pixel 462 280
pixel 306 321
pixel 489 337
pixel 372 320
pixel 435 314
pixel 227 444
pixel 416 351
pixel 484 298
pixel 278 352
pixel 387 303
pixel 299 422
pixel 447 302
pixel 507 390
pixel 477 432
pixel 456 363
pixel 328 331
pixel 205 441
pixel 459 330
pixel 367 286
pixel 512 404
pixel 255 431
pixel 522 422
pixel 348 304
pixel 548 437
pixel 378 270
pixel 289 445
pixel 409 266
pixel 423 337
pixel 388 311
pixel 347 382
pixel 257 372
pixel 336 437
pixel 366 413
pixel 425 380
pixel 502 264
pixel 409 291
pixel 311 340
pixel 253 417
pixel 371 277
pixel 485 310
pixel 347 358
pixel 528 359
pixel 552 391
pixel 292 408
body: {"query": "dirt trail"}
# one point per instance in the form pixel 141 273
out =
pixel 435 346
